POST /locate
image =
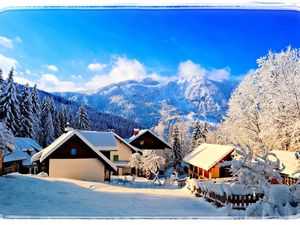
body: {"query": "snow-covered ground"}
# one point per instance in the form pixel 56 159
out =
pixel 33 196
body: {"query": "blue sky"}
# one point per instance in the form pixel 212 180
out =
pixel 64 50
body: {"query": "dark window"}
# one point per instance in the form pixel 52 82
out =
pixel 73 151
pixel 115 157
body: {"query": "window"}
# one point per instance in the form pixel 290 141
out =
pixel 142 142
pixel 73 151
pixel 115 157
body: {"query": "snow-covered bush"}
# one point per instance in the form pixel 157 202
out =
pixel 251 170
pixel 278 200
pixel 148 162
pixel 151 162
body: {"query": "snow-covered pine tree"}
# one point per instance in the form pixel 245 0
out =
pixel 82 121
pixel 63 118
pixel 1 79
pixel 196 135
pixel 70 118
pixel 9 104
pixel 36 112
pixel 48 130
pixel 47 134
pixel 57 124
pixel 176 147
pixel 26 116
pixel 6 140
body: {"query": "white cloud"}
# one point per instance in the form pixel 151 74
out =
pixel 7 63
pixel 96 67
pixel 6 42
pixel 51 83
pixel 52 68
pixel 219 74
pixel 189 68
pixel 123 69
pixel 22 80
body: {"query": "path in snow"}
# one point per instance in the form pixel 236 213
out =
pixel 30 196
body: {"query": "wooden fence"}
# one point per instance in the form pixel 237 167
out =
pixel 234 201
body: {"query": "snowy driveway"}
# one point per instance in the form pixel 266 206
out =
pixel 26 196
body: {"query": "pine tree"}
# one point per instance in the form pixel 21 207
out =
pixel 176 147
pixel 26 117
pixel 82 121
pixel 57 125
pixel 36 101
pixel 196 136
pixel 6 140
pixel 48 130
pixel 1 79
pixel 70 118
pixel 36 111
pixel 63 118
pixel 47 134
pixel 9 104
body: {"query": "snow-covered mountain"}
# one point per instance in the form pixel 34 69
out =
pixel 153 103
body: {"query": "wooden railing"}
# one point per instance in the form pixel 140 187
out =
pixel 234 201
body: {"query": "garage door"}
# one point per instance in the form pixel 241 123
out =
pixel 79 169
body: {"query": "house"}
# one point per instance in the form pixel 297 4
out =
pixel 122 155
pixel 204 161
pixel 291 163
pixel 147 140
pixel 29 147
pixel 19 160
pixel 82 155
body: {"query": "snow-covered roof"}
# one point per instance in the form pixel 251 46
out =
pixel 103 141
pixel 97 149
pixel 289 160
pixel 26 144
pixel 141 132
pixel 15 155
pixel 126 143
pixel 22 145
pixel 206 156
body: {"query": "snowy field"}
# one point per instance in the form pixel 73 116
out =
pixel 32 196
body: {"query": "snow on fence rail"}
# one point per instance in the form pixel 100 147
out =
pixel 236 196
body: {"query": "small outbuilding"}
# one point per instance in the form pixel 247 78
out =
pixel 290 161
pixel 19 160
pixel 204 161
pixel 82 155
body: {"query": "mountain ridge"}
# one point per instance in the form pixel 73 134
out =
pixel 151 102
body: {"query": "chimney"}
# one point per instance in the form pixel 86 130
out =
pixel 136 131
pixel 68 128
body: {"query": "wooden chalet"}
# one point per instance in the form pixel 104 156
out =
pixel 204 161
pixel 290 161
pixel 82 155
pixel 19 160
pixel 147 140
